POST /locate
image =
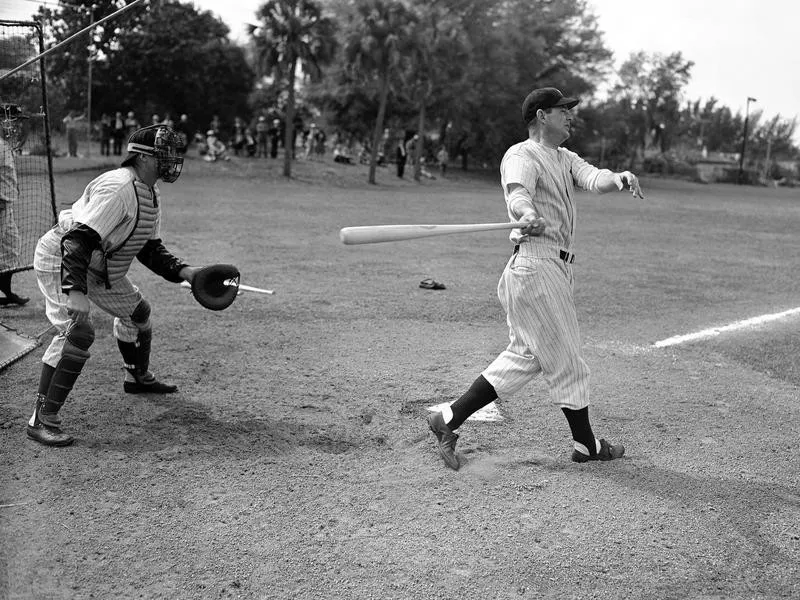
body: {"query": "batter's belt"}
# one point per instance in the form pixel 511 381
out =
pixel 536 251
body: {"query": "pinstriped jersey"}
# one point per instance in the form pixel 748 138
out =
pixel 110 206
pixel 550 176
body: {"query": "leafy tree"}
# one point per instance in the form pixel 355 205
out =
pixel 378 35
pixel 161 58
pixel 652 85
pixel 434 65
pixel 292 34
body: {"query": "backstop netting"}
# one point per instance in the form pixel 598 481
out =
pixel 27 192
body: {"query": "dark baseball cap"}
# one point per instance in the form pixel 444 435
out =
pixel 544 98
pixel 141 141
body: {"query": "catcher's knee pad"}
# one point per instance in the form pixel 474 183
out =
pixel 80 336
pixel 141 314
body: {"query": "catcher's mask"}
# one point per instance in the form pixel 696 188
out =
pixel 161 142
pixel 11 125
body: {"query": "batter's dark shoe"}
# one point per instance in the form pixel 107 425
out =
pixel 446 440
pixel 149 387
pixel 607 452
pixel 49 436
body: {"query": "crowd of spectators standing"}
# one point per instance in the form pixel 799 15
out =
pixel 263 138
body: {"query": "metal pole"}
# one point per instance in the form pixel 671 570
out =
pixel 89 89
pixel 744 140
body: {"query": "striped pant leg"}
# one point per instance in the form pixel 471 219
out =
pixel 120 302
pixel 537 296
pixel 55 306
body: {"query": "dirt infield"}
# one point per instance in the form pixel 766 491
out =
pixel 295 461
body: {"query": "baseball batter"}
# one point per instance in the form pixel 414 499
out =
pixel 86 256
pixel 536 288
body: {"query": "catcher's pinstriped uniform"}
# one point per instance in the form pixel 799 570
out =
pixel 86 256
pixel 538 178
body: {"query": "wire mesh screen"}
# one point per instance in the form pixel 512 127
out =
pixel 27 198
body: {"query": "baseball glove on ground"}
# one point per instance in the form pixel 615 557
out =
pixel 215 286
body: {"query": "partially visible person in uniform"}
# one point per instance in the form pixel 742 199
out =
pixel 9 233
pixel 536 288
pixel 72 126
pixel 86 256
pixel 106 130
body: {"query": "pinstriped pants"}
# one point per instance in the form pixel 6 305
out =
pixel 537 295
pixel 120 301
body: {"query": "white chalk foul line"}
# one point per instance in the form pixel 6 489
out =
pixel 715 331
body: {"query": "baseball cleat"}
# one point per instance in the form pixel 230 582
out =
pixel 49 436
pixel 149 386
pixel 607 452
pixel 446 440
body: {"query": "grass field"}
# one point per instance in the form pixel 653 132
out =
pixel 295 461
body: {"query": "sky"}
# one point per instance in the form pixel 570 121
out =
pixel 740 48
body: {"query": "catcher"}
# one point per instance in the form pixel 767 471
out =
pixel 87 255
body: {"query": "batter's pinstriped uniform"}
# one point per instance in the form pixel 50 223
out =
pixel 536 288
pixel 538 177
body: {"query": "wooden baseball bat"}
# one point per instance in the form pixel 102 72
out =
pixel 240 286
pixel 373 234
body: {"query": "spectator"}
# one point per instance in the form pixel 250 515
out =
pixel 299 125
pixel 72 125
pixel 131 124
pixel 401 154
pixel 262 135
pixel 311 135
pixel 274 137
pixel 319 142
pixel 118 133
pixel 237 136
pixel 183 129
pixel 106 128
pixel 155 120
pixel 215 149
pixel 215 125
pixel 249 142
pixel 443 157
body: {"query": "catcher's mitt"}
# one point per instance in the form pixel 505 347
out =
pixel 215 286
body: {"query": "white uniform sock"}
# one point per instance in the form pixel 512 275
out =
pixel 584 450
pixel 447 414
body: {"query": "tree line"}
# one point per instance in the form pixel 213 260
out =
pixel 454 70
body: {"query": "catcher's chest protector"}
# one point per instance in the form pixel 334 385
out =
pixel 118 260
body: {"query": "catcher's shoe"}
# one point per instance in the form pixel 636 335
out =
pixel 607 452
pixel 49 436
pixel 446 440
pixel 148 384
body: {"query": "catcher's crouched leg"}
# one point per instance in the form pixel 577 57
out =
pixel 136 355
pixel 45 424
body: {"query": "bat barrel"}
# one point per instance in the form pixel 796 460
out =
pixel 372 234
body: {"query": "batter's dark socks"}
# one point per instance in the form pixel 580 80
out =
pixel 480 393
pixel 5 283
pixel 581 428
pixel 45 378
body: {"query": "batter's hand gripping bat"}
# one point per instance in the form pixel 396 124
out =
pixel 372 234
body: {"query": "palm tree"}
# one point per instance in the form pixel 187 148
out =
pixel 292 33
pixel 374 46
